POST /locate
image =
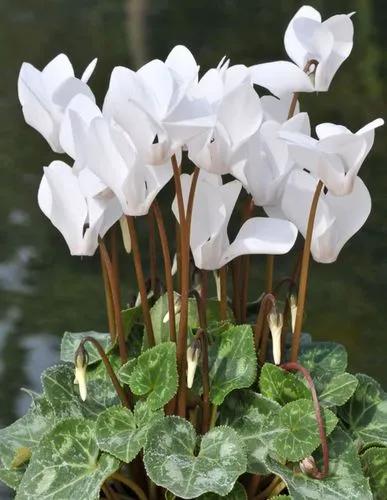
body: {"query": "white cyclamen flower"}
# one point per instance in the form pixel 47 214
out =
pixel 337 219
pixel 45 94
pixel 80 216
pixel 266 164
pixel 80 374
pixel 98 144
pixel 155 106
pixel 307 38
pixel 212 209
pixel 336 157
pixel 238 112
pixel 193 355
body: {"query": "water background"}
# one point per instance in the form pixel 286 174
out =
pixel 44 291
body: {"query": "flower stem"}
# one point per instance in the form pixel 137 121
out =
pixel 141 280
pixel 130 484
pixel 109 301
pixel 167 269
pixel 205 381
pixel 263 495
pixel 115 258
pixel 116 302
pixel 304 274
pixel 214 416
pixel 255 479
pixel 152 252
pixel 321 429
pixel 236 268
pixel 117 386
pixel 269 273
pixel 185 228
pixel 223 292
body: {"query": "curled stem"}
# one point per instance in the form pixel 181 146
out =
pixel 291 366
pixel 117 386
pixel 141 280
pixel 116 301
pixel 130 484
pixel 167 269
pixel 304 274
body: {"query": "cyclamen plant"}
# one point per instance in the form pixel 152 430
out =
pixel 188 396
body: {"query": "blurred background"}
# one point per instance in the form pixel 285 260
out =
pixel 44 291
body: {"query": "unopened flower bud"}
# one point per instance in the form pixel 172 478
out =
pixel 193 354
pixel 177 308
pixel 174 265
pixel 293 310
pixel 81 360
pixel 217 283
pixel 275 321
pixel 308 466
pixel 138 298
pixel 125 234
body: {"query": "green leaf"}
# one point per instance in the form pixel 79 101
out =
pixel 26 432
pixel 280 385
pixel 67 465
pixel 12 477
pixel 174 460
pixel 338 390
pixel 61 393
pixel 296 433
pixel 345 480
pixel 374 462
pixel 71 341
pixel 153 374
pixel 249 413
pixel 130 317
pixel 323 359
pixel 123 433
pixel 366 412
pixel 160 309
pixel 237 493
pixel 232 361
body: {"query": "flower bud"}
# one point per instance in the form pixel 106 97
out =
pixel 81 360
pixel 193 354
pixel 293 310
pixel 308 466
pixel 177 308
pixel 138 298
pixel 174 265
pixel 217 283
pixel 275 321
pixel 125 234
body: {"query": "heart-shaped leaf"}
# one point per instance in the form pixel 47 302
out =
pixel 249 413
pixel 366 412
pixel 374 463
pixel 71 341
pixel 237 493
pixel 280 385
pixel 338 390
pixel 61 393
pixel 153 374
pixel 174 460
pixel 12 477
pixel 295 431
pixel 130 317
pixel 67 464
pixel 232 361
pixel 345 480
pixel 323 359
pixel 123 433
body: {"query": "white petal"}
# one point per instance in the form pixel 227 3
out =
pixel 278 109
pixel 157 78
pixel 56 72
pixel 262 235
pixel 68 89
pixel 281 78
pixel 89 70
pixel 181 60
pixel 293 46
